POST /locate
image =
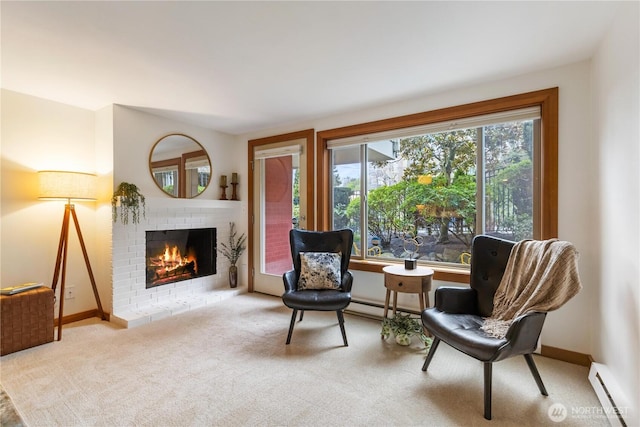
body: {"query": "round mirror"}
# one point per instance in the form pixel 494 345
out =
pixel 180 166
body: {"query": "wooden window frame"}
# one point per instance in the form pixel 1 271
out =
pixel 183 170
pixel 545 169
pixel 177 163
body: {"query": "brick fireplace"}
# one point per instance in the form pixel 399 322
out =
pixel 133 302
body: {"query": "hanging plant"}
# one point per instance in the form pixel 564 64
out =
pixel 128 198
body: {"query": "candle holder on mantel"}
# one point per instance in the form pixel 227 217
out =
pixel 234 184
pixel 234 194
pixel 223 186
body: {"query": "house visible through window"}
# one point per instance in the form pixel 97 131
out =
pixel 424 191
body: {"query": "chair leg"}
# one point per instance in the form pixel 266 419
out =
pixel 341 321
pixel 432 351
pixel 487 390
pixel 535 373
pixel 301 314
pixel 293 322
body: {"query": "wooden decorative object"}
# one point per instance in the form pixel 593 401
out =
pixel 234 184
pixel 234 194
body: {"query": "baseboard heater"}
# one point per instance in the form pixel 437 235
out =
pixel 599 377
pixel 370 309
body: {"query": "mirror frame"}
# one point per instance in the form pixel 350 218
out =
pixel 179 162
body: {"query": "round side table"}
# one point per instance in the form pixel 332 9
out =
pixel 398 279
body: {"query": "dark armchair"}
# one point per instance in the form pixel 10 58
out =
pixel 334 299
pixel 458 315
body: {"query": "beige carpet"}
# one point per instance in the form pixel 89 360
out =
pixel 226 364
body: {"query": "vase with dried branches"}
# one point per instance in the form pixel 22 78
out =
pixel 232 250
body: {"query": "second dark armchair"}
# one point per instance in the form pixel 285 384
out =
pixel 458 316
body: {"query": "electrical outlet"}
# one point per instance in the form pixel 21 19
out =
pixel 70 292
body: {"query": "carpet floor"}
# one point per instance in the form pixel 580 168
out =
pixel 227 364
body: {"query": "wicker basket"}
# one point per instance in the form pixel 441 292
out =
pixel 26 320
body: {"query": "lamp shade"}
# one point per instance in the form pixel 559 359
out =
pixel 67 185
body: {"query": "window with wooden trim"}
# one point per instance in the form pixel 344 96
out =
pixel 422 186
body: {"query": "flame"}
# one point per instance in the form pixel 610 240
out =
pixel 172 259
pixel 173 256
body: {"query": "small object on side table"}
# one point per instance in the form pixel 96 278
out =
pixel 12 290
pixel 410 263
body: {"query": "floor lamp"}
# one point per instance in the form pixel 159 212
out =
pixel 57 185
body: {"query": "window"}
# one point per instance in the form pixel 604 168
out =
pixel 424 185
pixel 166 175
pixel 185 176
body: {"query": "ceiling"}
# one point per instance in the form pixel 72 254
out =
pixel 242 67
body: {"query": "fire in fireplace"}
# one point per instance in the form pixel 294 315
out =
pixel 176 255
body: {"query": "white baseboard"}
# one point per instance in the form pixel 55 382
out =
pixel 614 404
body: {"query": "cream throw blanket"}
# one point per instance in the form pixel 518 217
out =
pixel 541 275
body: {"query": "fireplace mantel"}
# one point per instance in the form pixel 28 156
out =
pixel 198 202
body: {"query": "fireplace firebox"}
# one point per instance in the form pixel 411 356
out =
pixel 176 255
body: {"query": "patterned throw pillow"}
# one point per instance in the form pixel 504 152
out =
pixel 320 270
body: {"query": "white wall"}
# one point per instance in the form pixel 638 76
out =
pixel 565 327
pixel 616 231
pixel 114 142
pixel 135 133
pixel 39 134
pixel 104 168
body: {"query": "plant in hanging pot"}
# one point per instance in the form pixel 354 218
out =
pixel 403 328
pixel 128 199
pixel 232 250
